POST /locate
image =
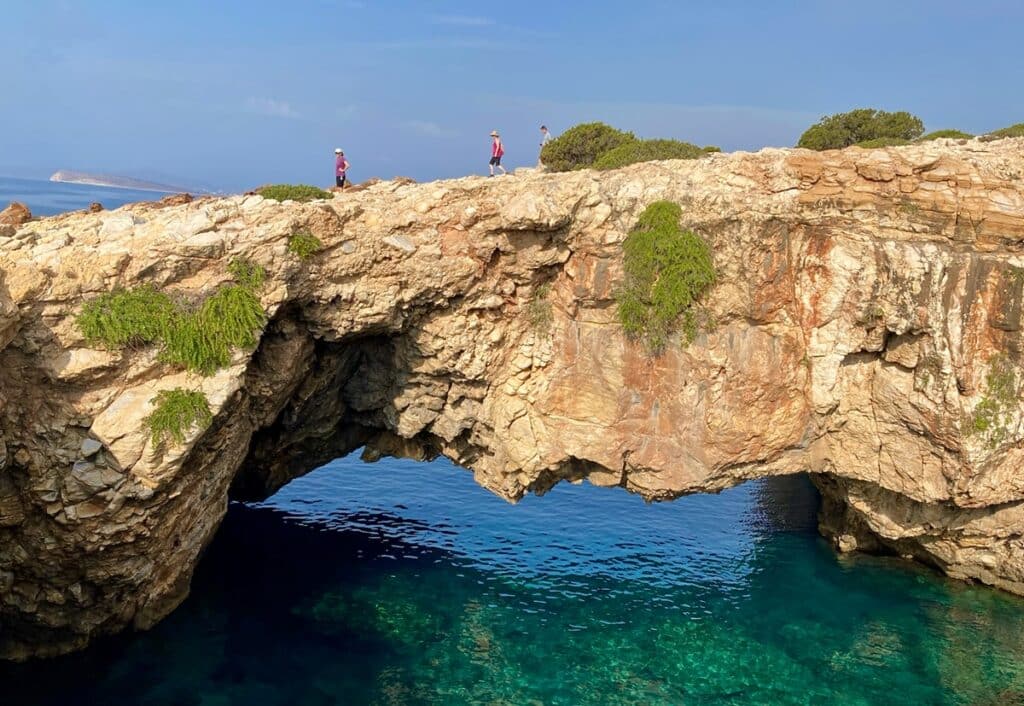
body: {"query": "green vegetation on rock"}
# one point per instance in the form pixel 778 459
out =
pixel 197 337
pixel 304 244
pixel 247 273
pixel 580 146
pixel 293 192
pixel 992 416
pixel 131 317
pixel 176 412
pixel 667 269
pixel 539 310
pixel 201 339
pixel 647 151
pixel 955 134
pixel 860 126
pixel 1012 131
pixel 603 147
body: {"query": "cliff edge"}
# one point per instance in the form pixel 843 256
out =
pixel 867 328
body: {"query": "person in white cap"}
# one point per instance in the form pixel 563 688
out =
pixel 340 167
pixel 497 152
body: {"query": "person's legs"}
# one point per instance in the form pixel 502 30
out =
pixel 338 181
pixel 490 165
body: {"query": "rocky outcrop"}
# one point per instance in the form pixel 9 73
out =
pixel 867 329
pixel 15 214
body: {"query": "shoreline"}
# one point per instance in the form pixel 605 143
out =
pixel 87 182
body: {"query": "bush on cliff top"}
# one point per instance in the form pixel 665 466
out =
pixel 955 134
pixel 1012 131
pixel 667 270
pixel 858 126
pixel 176 411
pixel 647 151
pixel 293 192
pixel 580 146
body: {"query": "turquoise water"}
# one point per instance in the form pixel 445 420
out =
pixel 46 198
pixel 405 583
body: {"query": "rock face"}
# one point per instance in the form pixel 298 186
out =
pixel 868 330
pixel 13 216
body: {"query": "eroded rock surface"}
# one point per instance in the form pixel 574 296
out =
pixel 865 298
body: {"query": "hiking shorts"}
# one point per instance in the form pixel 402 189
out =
pixel 339 180
pixel 495 161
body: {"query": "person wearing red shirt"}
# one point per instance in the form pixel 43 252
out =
pixel 497 152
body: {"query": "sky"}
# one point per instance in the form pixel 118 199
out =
pixel 230 95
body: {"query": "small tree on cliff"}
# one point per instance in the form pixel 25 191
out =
pixel 861 125
pixel 580 146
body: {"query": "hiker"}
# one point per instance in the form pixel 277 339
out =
pixel 545 137
pixel 497 151
pixel 341 165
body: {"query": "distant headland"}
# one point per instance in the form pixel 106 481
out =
pixel 117 182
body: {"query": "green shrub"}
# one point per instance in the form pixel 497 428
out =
pixel 882 142
pixel 176 412
pixel 304 244
pixel 197 338
pixel 858 126
pixel 1012 131
pixel 247 273
pixel 711 149
pixel 667 270
pixel 539 310
pixel 647 151
pixel 580 146
pixel 131 317
pixel 293 192
pixel 201 340
pixel 955 134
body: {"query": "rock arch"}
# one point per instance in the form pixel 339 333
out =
pixel 863 296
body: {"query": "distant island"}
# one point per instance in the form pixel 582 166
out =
pixel 117 182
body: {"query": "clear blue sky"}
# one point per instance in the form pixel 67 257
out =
pixel 236 94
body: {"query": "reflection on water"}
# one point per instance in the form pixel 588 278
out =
pixel 399 583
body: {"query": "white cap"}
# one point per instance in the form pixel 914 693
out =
pixel 337 150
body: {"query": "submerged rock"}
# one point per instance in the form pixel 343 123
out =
pixel 865 326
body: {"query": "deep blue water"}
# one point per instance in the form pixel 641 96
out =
pixel 46 198
pixel 405 583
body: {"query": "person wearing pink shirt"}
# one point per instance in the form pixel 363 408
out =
pixel 497 152
pixel 341 166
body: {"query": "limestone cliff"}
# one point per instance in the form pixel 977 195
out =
pixel 868 329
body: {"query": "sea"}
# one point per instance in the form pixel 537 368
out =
pixel 401 582
pixel 47 198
